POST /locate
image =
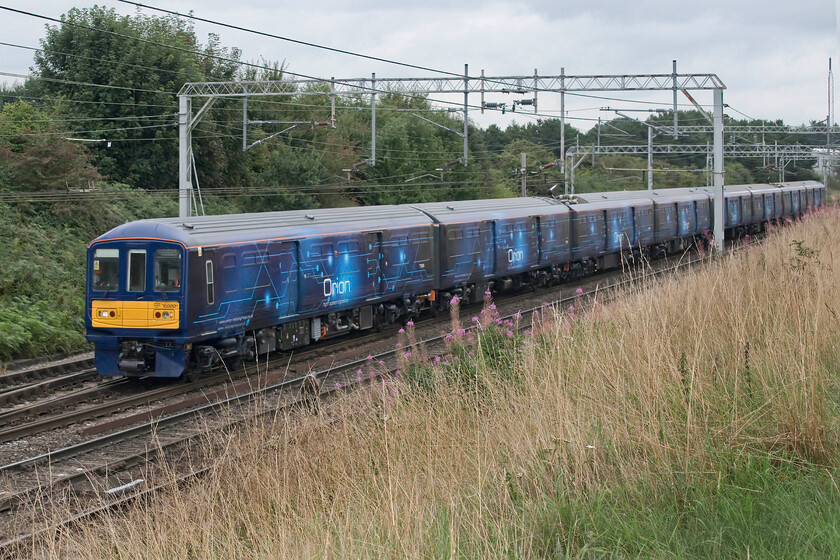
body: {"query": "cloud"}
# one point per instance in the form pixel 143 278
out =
pixel 772 54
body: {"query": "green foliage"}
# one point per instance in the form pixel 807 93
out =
pixel 477 359
pixel 37 328
pixel 43 264
pixel 35 157
pixel 142 62
pixel 751 507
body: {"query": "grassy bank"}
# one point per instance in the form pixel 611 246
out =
pixel 694 418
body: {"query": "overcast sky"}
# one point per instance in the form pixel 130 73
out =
pixel 771 54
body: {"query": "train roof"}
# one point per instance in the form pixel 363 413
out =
pixel 494 208
pixel 656 194
pixel 229 229
pixel 694 192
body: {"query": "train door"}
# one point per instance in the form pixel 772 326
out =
pixel 695 210
pixel 283 259
pixel 319 287
pixel 539 235
pixel 610 229
pixel 493 237
pixel 205 300
pixel 374 262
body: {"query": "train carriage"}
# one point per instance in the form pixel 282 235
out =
pixel 501 240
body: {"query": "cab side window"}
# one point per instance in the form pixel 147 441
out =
pixel 167 270
pixel 106 269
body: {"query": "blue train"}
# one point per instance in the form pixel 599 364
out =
pixel 172 297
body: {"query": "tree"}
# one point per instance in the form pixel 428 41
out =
pixel 121 74
pixel 35 156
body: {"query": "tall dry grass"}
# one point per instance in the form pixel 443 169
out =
pixel 669 383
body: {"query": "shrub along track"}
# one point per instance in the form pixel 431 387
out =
pixel 105 472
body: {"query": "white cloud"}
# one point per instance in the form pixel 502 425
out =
pixel 772 54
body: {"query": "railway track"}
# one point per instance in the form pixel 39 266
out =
pixel 107 470
pixel 28 380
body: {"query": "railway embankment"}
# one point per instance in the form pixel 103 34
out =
pixel 696 416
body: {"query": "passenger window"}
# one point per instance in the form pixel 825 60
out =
pixel 229 273
pixel 348 247
pixel 167 270
pixel 137 270
pixel 106 269
pixel 211 291
pixel 252 258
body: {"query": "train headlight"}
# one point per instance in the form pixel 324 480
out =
pixel 167 315
pixel 105 314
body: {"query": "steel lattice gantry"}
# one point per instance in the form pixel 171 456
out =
pixel 761 129
pixel 484 84
pixel 783 151
pixel 452 84
pixel 736 150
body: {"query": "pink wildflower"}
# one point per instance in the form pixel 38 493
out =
pixel 579 291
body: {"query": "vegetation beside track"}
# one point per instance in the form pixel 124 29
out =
pixel 42 258
pixel 695 418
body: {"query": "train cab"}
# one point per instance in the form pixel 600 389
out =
pixel 135 306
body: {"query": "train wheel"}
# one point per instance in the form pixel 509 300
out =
pixel 191 374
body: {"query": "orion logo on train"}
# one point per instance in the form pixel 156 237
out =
pixel 515 256
pixel 332 288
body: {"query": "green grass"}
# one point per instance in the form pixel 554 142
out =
pixel 749 509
